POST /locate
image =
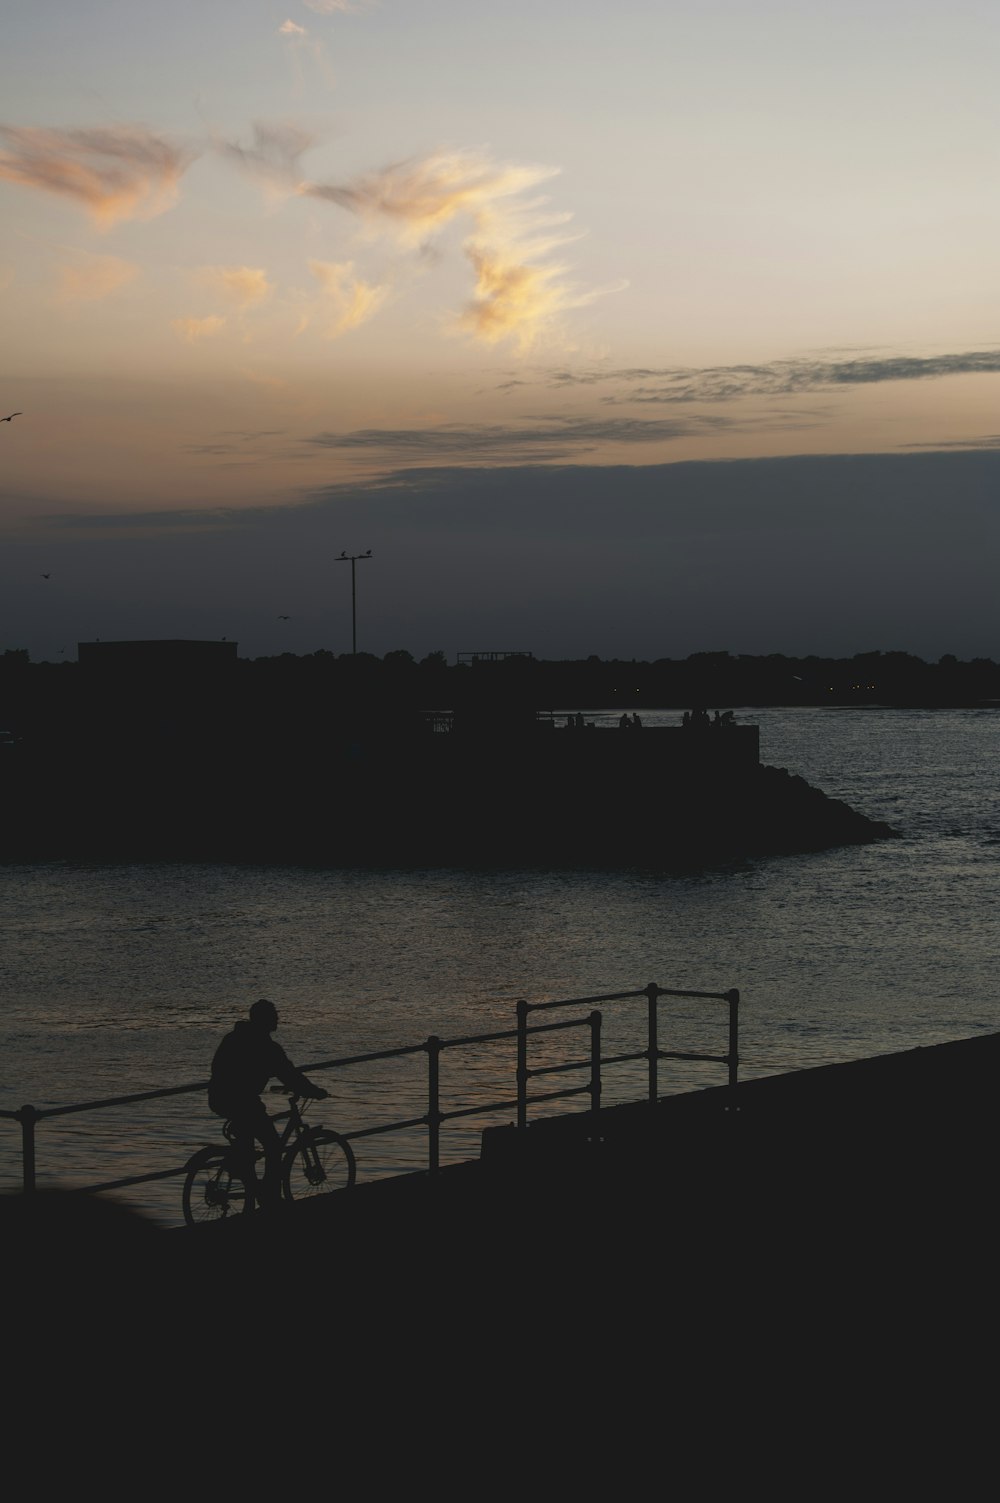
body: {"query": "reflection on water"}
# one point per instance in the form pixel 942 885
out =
pixel 123 979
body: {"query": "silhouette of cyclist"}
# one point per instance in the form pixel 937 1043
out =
pixel 244 1062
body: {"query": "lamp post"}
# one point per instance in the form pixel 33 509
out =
pixel 352 559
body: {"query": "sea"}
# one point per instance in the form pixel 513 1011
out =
pixel 118 980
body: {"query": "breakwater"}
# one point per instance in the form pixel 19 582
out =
pixel 543 795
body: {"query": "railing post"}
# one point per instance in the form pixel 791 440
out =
pixel 652 1042
pixel 27 1116
pixel 522 1062
pixel 433 1104
pixel 595 1061
pixel 733 998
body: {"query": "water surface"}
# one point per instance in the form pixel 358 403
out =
pixel 122 978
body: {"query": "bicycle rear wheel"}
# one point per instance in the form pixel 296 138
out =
pixel 320 1162
pixel 214 1189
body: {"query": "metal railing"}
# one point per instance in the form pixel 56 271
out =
pixel 434 1118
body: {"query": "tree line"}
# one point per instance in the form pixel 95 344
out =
pixel 291 687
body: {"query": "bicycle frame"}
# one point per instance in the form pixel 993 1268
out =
pixel 312 1160
pixel 295 1133
pixel 296 1127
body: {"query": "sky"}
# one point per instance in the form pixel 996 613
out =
pixel 635 329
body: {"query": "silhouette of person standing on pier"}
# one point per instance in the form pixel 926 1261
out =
pixel 244 1062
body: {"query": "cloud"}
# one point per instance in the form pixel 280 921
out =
pixel 299 40
pixel 193 330
pixel 419 197
pixel 985 441
pixel 897 368
pixel 412 200
pixel 273 157
pixel 519 291
pixel 510 298
pixel 243 285
pixel 552 438
pixel 347 301
pixel 118 173
pixel 92 278
pixel 777 378
pixel 514 299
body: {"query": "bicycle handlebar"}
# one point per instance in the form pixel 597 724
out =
pixel 281 1090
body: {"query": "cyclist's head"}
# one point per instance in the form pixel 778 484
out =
pixel 264 1014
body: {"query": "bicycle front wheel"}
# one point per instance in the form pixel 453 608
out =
pixel 214 1190
pixel 319 1163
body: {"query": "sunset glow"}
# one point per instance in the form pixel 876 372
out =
pixel 257 254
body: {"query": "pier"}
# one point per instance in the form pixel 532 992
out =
pixel 895 1150
pixel 827 1172
pixel 737 1279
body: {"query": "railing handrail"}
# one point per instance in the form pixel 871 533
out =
pixel 200 1085
pixel 29 1115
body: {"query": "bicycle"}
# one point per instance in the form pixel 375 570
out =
pixel 218 1182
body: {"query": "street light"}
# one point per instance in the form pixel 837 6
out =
pixel 352 559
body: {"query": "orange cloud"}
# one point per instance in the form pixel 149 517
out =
pixel 243 285
pixel 193 330
pixel 519 290
pixel 518 296
pixel 299 42
pixel 421 197
pixel 511 300
pixel 123 172
pixel 349 302
pixel 93 278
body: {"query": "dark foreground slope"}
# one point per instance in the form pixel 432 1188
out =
pixel 800 1294
pixel 802 1277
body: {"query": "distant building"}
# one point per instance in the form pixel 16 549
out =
pixel 489 657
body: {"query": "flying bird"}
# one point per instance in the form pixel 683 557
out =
pixel 12 415
pixel 284 618
pixel 44 576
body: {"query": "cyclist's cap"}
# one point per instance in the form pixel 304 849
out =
pixel 264 1012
